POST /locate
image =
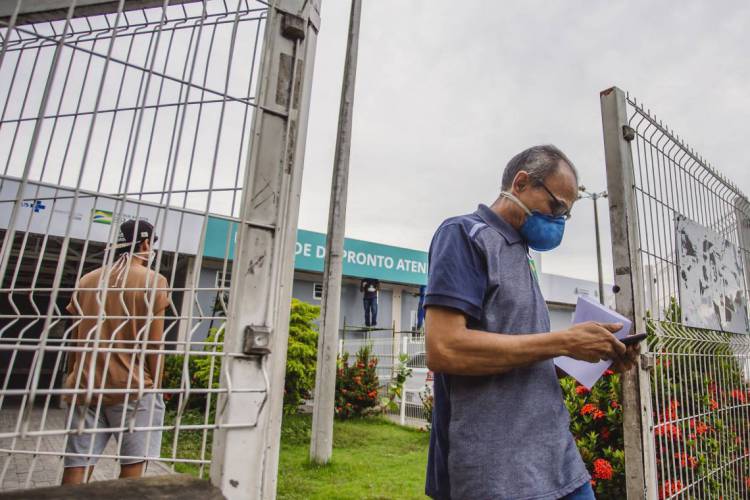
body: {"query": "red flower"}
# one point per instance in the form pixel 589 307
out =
pixel 598 414
pixel 669 488
pixel 686 460
pixel 714 405
pixel 664 362
pixel 602 469
pixel 605 433
pixel 581 390
pixel 614 404
pixel 608 373
pixel 668 430
pixel 700 427
pixel 588 408
pixel 593 483
pixel 738 395
pixel 747 481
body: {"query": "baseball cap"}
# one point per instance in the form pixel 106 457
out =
pixel 135 230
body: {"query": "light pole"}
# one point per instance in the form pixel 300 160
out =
pixel 594 197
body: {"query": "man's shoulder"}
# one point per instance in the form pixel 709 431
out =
pixel 466 226
pixel 143 275
pixel 91 278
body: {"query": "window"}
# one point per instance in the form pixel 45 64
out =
pixel 317 291
pixel 223 280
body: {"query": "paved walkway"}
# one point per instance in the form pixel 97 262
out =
pixel 26 470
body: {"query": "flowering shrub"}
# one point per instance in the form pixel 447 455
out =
pixel 596 424
pixel 356 385
pixel 700 415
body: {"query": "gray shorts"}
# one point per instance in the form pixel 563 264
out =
pixel 137 445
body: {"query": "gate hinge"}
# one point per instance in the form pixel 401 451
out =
pixel 628 133
pixel 647 362
pixel 257 340
pixel 293 27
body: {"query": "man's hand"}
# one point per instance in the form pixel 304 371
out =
pixel 629 361
pixel 593 342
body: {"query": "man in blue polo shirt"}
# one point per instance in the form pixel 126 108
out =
pixel 500 429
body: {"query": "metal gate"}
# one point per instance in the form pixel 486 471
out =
pixel 681 259
pixel 190 116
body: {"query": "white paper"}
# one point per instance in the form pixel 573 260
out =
pixel 584 372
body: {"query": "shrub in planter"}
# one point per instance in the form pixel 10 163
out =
pixel 356 385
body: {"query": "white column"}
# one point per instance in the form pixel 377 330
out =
pixel 183 332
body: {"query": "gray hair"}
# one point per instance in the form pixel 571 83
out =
pixel 538 162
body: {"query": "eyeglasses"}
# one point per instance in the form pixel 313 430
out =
pixel 558 207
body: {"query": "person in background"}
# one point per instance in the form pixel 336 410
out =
pixel 420 307
pixel 370 288
pixel 133 323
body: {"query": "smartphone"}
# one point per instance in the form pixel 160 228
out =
pixel 633 339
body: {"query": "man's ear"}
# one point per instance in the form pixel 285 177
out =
pixel 520 182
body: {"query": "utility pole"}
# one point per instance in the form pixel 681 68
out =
pixel 594 197
pixel 321 442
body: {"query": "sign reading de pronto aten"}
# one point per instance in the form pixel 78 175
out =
pixel 362 259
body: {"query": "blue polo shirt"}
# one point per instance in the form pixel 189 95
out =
pixel 502 436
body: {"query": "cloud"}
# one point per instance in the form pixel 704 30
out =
pixel 446 95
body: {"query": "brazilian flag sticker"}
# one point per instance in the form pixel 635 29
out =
pixel 101 216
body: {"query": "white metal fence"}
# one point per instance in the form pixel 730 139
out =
pixel 388 351
pixel 187 115
pixel 681 258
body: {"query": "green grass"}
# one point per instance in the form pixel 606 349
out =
pixel 372 459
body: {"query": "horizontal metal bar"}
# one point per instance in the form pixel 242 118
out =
pixel 55 10
pixel 125 109
pixel 132 29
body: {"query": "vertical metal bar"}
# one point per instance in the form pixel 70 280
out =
pixel 321 441
pixel 639 462
pixel 250 424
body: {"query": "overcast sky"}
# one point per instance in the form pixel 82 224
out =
pixel 446 93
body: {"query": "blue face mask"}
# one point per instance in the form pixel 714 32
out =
pixel 542 232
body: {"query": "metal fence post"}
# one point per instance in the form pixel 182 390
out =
pixel 639 462
pixel 246 444
pixel 402 409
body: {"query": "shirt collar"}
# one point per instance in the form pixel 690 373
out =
pixel 498 224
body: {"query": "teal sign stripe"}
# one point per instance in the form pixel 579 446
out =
pixel 362 259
